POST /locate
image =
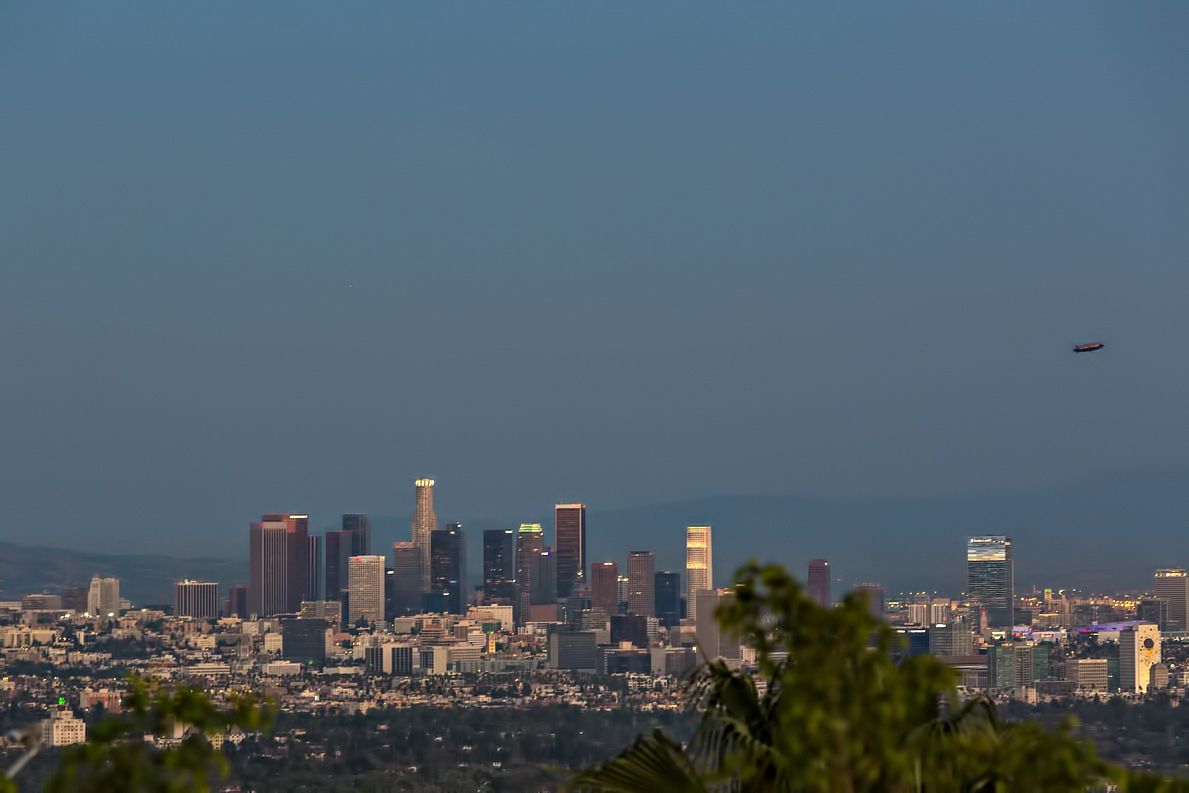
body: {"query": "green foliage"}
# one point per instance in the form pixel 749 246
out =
pixel 835 711
pixel 116 758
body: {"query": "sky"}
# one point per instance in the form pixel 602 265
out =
pixel 290 257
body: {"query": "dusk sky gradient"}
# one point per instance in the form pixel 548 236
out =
pixel 262 257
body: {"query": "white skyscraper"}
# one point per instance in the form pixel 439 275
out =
pixel 699 566
pixel 365 581
pixel 104 596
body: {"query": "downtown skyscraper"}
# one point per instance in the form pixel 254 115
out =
pixel 425 521
pixel 569 526
pixel 991 577
pixel 278 555
pixel 641 583
pixel 530 544
pixel 699 566
pixel 355 539
pixel 448 568
pixel 499 563
pixel 819 582
pixel 604 587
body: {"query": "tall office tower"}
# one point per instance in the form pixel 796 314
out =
pixel 406 586
pixel 197 599
pixel 667 598
pixel 819 582
pixel 530 542
pixel 425 520
pixel 314 576
pixel 499 563
pixel 237 601
pixel 641 575
pixel 103 598
pixel 361 533
pixel 1139 651
pixel 699 566
pixel 1173 586
pixel 569 526
pixel 875 599
pixel 991 577
pixel 338 551
pixel 279 564
pixel 365 581
pixel 544 578
pixel 713 642
pixel 448 567
pixel 604 587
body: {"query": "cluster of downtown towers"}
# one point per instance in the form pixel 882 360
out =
pixel 289 566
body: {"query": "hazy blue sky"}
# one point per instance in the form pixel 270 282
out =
pixel 261 257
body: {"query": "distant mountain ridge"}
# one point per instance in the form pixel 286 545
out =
pixel 144 579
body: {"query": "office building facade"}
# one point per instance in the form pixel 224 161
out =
pixel 405 595
pixel 1172 586
pixel 448 567
pixel 873 593
pixel 819 582
pixel 604 587
pixel 425 521
pixel 279 564
pixel 569 525
pixel 641 580
pixel 365 581
pixel 530 543
pixel 103 598
pixel 196 599
pixel 991 577
pixel 1139 651
pixel 699 566
pixel 667 598
pixel 499 564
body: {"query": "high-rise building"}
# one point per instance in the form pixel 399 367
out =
pixel 530 542
pixel 361 533
pixel 279 564
pixel 338 552
pixel 1139 651
pixel 425 520
pixel 1155 611
pixel 713 642
pixel 604 587
pixel 406 583
pixel 365 580
pixel 544 578
pixel 1173 586
pixel 314 575
pixel 197 599
pixel 75 599
pixel 103 598
pixel 569 526
pixel 237 601
pixel 499 563
pixel 819 582
pixel 991 577
pixel 699 566
pixel 875 599
pixel 667 598
pixel 641 573
pixel 448 567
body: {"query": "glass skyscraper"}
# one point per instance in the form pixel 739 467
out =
pixel 499 563
pixel 569 528
pixel 991 578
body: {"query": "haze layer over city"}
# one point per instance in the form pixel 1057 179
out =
pixel 811 276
